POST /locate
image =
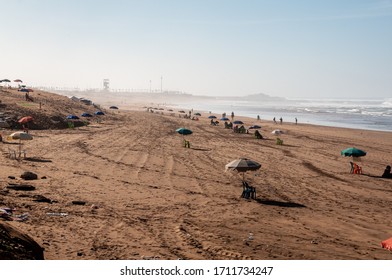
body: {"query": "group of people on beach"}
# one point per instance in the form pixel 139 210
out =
pixel 280 120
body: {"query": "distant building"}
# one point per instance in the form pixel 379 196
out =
pixel 106 83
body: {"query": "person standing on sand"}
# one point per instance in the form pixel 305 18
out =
pixel 232 115
pixel 258 117
pixel 296 121
pixel 274 120
pixel 281 120
pixel 387 172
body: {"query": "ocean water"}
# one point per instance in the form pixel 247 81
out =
pixel 361 114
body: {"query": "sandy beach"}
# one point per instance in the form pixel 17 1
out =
pixel 148 197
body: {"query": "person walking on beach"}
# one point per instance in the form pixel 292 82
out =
pixel 258 117
pixel 232 115
pixel 281 120
pixel 296 121
pixel 274 120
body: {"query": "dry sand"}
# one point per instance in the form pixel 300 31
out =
pixel 148 197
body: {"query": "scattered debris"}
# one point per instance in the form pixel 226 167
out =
pixel 61 214
pixel 41 198
pixel 21 218
pixel 5 214
pixel 8 215
pixel 21 187
pixel 79 202
pixel 29 176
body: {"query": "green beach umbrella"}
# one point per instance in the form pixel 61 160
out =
pixel 353 152
pixel 184 131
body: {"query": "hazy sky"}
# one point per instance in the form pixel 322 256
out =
pixel 294 49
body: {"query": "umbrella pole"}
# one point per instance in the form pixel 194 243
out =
pixel 20 148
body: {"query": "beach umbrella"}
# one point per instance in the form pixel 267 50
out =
pixel 5 81
pixel 277 132
pixel 25 119
pixel 255 127
pixel 238 122
pixel 99 113
pixel 26 90
pixel 72 117
pixel 212 117
pixel 170 110
pixel 86 115
pixel 184 131
pixel 113 107
pixel 181 111
pixel 197 114
pixel 21 135
pixel 353 152
pixel 224 119
pixel 242 165
pixel 18 81
pixel 387 244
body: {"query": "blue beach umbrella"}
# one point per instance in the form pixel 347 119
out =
pixel 212 117
pixel 72 117
pixel 224 119
pixel 255 127
pixel 99 113
pixel 238 122
pixel 86 115
pixel 114 107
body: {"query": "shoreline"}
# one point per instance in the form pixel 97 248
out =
pixel 273 110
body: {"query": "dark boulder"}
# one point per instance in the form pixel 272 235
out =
pixel 15 245
pixel 29 176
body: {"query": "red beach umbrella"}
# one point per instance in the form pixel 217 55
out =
pixel 18 81
pixel 387 244
pixel 25 119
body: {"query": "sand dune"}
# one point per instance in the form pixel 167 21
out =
pixel 148 197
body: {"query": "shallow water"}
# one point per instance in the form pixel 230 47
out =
pixel 361 114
